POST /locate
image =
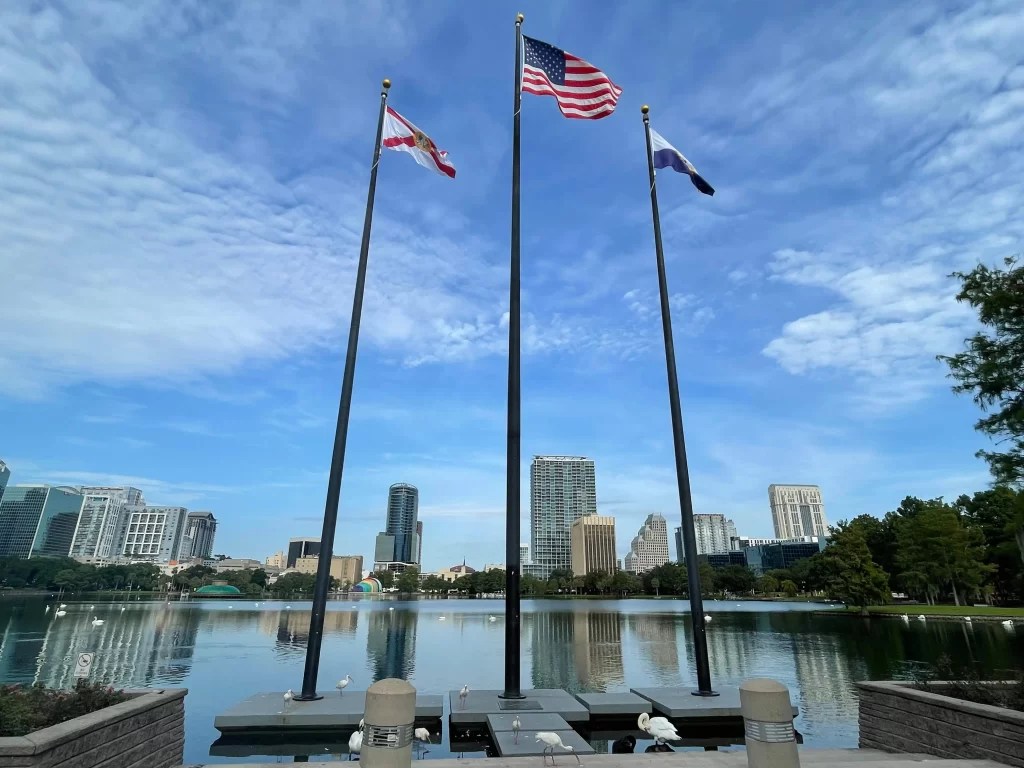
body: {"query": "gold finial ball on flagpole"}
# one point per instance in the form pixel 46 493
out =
pixel 645 109
pixel 386 83
pixel 519 18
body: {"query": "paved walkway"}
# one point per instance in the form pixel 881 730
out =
pixel 813 758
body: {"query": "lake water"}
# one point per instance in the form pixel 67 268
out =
pixel 224 651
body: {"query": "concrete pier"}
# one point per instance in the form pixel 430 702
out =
pixel 479 704
pixel 266 711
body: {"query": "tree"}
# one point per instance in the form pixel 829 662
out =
pixel 993 513
pixel 936 552
pixel 991 368
pixel 707 579
pixel 434 583
pixel 880 536
pixel 408 581
pixel 259 577
pixel 767 584
pixel 625 583
pixel 848 573
pixel 655 582
pixel 737 579
pixel 789 588
pixel 386 578
pixel 294 582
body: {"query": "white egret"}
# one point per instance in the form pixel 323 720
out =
pixel 922 617
pixel 343 684
pixel 1008 624
pixel 355 743
pixel 905 617
pixel 707 619
pixel 422 736
pixel 462 696
pixel 552 740
pixel 659 727
pixel 362 723
pixel 47 609
pixel 61 613
pixel 97 621
pixel 516 725
pixel 288 696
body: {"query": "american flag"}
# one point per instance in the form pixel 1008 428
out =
pixel 582 91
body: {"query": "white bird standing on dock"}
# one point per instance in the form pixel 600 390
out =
pixel 343 684
pixel 355 742
pixel 659 727
pixel 97 621
pixel 422 736
pixel 288 696
pixel 552 740
pixel 516 725
pixel 462 696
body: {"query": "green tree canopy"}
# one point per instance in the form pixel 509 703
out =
pixel 991 367
pixel 408 581
pixel 847 572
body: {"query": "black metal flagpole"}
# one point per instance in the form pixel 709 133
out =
pixel 323 571
pixel 700 640
pixel 512 564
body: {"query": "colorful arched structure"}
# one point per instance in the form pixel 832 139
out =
pixel 368 585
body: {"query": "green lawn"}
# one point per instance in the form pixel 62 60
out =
pixel 942 610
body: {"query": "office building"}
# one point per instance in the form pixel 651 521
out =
pixel 713 533
pixel 649 547
pixel 742 542
pixel 403 509
pixel 102 523
pixel 524 554
pixel 5 475
pixel 797 510
pixel 278 561
pixel 562 490
pixel 38 520
pixel 384 549
pixel 723 559
pixel 419 541
pixel 155 533
pixel 302 547
pixel 347 569
pixel 771 557
pixel 592 540
pixel 201 530
pixel 237 564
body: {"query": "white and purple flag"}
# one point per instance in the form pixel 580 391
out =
pixel 667 156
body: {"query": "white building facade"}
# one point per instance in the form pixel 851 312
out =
pixel 713 533
pixel 100 524
pixel 562 490
pixel 155 534
pixel 649 547
pixel 797 510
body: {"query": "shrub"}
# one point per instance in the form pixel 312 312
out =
pixel 24 708
pixel 965 683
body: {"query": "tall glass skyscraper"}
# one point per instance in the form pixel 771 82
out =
pixel 38 520
pixel 202 528
pixel 562 490
pixel 403 510
pixel 5 475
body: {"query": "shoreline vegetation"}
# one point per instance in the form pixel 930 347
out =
pixel 913 610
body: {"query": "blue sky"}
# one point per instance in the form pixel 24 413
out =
pixel 182 189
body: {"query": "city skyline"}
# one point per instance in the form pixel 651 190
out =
pixel 810 294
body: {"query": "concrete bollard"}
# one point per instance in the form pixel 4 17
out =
pixel 389 715
pixel 768 724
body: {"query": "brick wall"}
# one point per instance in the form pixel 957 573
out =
pixel 897 717
pixel 146 732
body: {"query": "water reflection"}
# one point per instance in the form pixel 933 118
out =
pixel 224 652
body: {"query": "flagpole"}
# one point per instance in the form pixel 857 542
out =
pixel 323 570
pixel 512 458
pixel 700 640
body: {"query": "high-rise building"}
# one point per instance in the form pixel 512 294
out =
pixel 592 538
pixel 403 509
pixel 5 475
pixel 202 528
pixel 155 533
pixel 101 523
pixel 38 520
pixel 562 490
pixel 277 561
pixel 302 547
pixel 713 534
pixel 524 554
pixel 384 549
pixel 797 510
pixel 419 542
pixel 771 557
pixel 649 547
pixel 739 543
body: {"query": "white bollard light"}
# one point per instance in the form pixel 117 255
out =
pixel 389 715
pixel 768 724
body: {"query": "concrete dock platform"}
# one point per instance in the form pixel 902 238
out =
pixel 267 711
pixel 614 704
pixel 480 704
pixel 681 703
pixel 526 745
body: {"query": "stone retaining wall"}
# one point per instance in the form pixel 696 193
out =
pixel 897 717
pixel 146 732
